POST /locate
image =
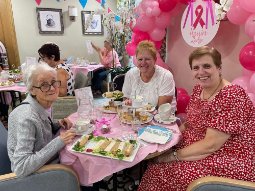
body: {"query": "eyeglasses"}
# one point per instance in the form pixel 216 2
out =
pixel 45 87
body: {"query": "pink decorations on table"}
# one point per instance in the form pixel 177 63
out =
pixel 247 56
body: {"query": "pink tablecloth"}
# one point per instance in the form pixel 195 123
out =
pixel 85 69
pixel 92 169
pixel 16 87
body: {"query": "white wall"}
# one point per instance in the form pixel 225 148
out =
pixel 229 40
pixel 71 43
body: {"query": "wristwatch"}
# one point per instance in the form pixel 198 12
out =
pixel 175 156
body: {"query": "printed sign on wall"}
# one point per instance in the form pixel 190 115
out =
pixel 198 24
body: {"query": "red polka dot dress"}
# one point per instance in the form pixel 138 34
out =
pixel 232 112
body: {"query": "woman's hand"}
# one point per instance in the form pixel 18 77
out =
pixel 65 123
pixel 67 136
pixel 128 102
pixel 95 47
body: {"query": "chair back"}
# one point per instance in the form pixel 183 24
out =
pixel 80 80
pixel 213 183
pixel 63 107
pixel 118 81
pixel 5 163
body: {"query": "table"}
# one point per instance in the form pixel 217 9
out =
pixel 15 87
pixel 85 69
pixel 91 169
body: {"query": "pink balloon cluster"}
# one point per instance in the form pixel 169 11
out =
pixel 243 12
pixel 153 19
pixel 182 100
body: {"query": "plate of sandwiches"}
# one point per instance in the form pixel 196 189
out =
pixel 7 83
pixel 139 117
pixel 115 95
pixel 106 147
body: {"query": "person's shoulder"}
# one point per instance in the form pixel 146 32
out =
pixel 164 71
pixel 233 90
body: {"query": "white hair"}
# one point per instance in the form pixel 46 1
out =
pixel 31 72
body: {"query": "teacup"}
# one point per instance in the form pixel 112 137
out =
pixel 82 125
pixel 165 111
pixel 137 101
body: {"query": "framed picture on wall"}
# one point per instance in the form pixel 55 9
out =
pixel 50 21
pixel 92 23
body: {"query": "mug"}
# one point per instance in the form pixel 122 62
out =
pixel 165 111
pixel 82 125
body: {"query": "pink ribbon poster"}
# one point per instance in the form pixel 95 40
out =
pixel 198 24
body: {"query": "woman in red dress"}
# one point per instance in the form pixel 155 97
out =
pixel 218 137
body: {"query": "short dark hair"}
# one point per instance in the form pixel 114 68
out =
pixel 49 50
pixel 205 50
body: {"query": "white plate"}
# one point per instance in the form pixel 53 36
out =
pixel 92 144
pixel 139 122
pixel 90 130
pixel 167 122
pixel 103 95
pixel 148 110
pixel 93 63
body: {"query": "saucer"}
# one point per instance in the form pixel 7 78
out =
pixel 171 120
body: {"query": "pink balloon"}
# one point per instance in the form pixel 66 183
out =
pixel 243 81
pixel 163 20
pixel 166 5
pixel 161 63
pixel 184 1
pixel 145 23
pixel 157 34
pixel 182 103
pixel 158 44
pixel 252 83
pixel 181 91
pixel 254 39
pixel 140 36
pixel 237 14
pixel 247 56
pixel 248 5
pixel 252 97
pixel 148 12
pixel 249 26
pixel 155 11
pixel 130 48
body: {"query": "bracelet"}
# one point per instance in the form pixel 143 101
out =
pixel 175 156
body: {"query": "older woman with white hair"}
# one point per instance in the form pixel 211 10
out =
pixel 31 140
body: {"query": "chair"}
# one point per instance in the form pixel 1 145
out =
pixel 63 107
pixel 118 82
pixel 54 177
pixel 213 183
pixel 80 80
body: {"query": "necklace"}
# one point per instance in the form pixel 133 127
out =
pixel 213 91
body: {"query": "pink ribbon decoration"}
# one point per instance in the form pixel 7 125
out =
pixel 199 19
pixel 38 2
pixel 209 8
pixel 190 9
pixel 100 123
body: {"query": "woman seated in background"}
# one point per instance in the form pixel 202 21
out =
pixel 50 54
pixel 109 58
pixel 154 83
pixel 31 141
pixel 218 138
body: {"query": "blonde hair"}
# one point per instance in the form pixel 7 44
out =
pixel 147 45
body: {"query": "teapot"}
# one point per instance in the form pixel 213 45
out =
pixel 49 20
